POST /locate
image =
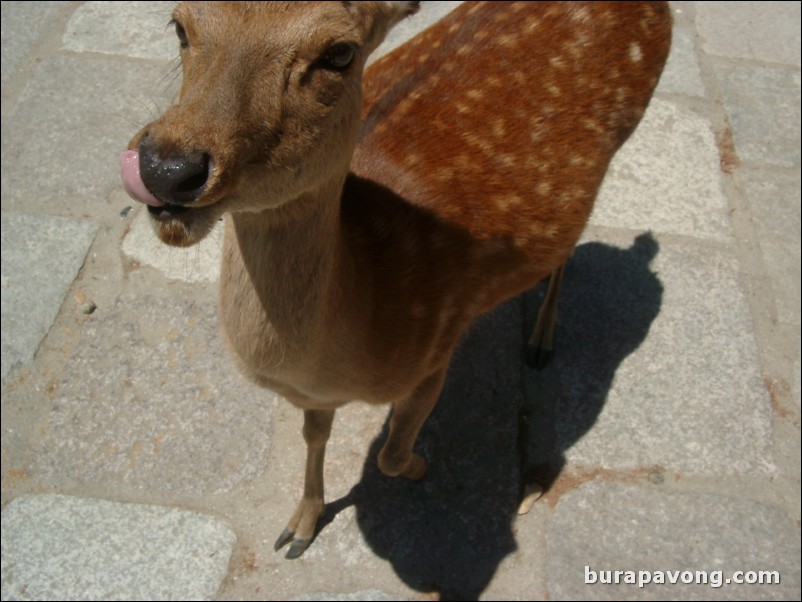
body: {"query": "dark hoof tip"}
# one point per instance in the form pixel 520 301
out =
pixel 283 539
pixel 297 547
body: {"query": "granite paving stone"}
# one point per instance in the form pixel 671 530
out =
pixel 41 257
pixel 23 26
pixel 763 108
pixel 681 74
pixel 200 263
pixel 150 398
pixel 608 526
pixel 71 122
pixel 775 205
pixel 135 29
pixel 765 31
pixel 685 198
pixel 58 547
pixel 623 402
pixel 366 595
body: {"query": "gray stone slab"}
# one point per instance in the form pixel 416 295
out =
pixel 150 398
pixel 681 74
pixel 775 200
pixel 610 526
pixel 62 140
pixel 763 108
pixel 139 29
pixel 366 595
pixel 41 257
pixel 199 263
pixel 655 363
pixel 57 547
pixel 768 31
pixel 23 24
pixel 666 177
pixel 521 574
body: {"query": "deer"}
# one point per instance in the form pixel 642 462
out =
pixel 371 214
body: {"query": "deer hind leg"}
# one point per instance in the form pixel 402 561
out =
pixel 301 528
pixel 396 457
pixel 541 344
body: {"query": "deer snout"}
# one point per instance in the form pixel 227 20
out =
pixel 179 178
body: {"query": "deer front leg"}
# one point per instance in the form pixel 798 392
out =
pixel 301 528
pixel 396 457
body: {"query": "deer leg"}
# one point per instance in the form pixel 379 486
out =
pixel 396 457
pixel 541 344
pixel 301 528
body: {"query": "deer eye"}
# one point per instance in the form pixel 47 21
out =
pixel 181 33
pixel 338 57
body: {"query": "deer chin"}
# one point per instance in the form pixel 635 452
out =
pixel 179 226
pixel 175 225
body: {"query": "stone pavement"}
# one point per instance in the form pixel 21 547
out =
pixel 137 464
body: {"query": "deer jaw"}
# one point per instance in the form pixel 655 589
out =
pixel 270 119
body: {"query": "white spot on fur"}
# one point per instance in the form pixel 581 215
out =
pixel 412 160
pixel 531 24
pixel 581 15
pixel 509 201
pixel 507 159
pixel 635 53
pixel 509 40
pixel 521 241
pixel 499 129
pixel 593 125
pixel 543 188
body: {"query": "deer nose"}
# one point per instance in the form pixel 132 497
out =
pixel 179 178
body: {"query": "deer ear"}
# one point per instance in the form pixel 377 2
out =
pixel 377 18
pixel 398 11
pixel 403 9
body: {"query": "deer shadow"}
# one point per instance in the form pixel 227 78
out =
pixel 500 424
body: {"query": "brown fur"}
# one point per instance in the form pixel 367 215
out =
pixel 482 145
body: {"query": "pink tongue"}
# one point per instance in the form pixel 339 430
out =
pixel 132 182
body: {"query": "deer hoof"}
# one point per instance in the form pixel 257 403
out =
pixel 297 547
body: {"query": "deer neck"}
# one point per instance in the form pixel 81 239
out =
pixel 282 268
